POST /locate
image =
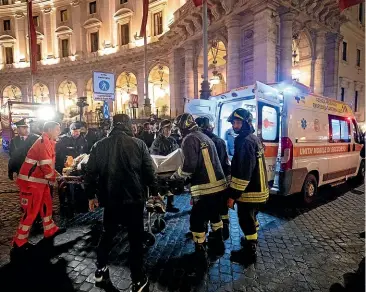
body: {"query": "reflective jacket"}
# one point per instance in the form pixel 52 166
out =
pixel 221 151
pixel 248 170
pixel 163 146
pixel 202 165
pixel 39 165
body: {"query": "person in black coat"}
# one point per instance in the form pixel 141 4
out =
pixel 121 166
pixel 163 145
pixel 19 147
pixel 147 135
pixel 90 136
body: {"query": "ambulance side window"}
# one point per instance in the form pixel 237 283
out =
pixel 268 123
pixel 339 129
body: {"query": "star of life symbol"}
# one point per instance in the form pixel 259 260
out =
pixel 303 123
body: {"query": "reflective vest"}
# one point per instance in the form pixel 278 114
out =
pixel 39 165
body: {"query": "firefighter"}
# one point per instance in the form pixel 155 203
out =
pixel 249 185
pixel 19 147
pixel 207 128
pixel 34 179
pixel 201 166
pixel 163 145
pixel 122 166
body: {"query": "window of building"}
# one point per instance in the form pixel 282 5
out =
pixel 344 51
pixel 358 56
pixel 7 26
pixel 94 42
pixel 9 59
pixel 93 7
pixel 65 48
pixel 125 34
pixel 158 23
pixel 123 1
pixel 39 52
pixel 356 101
pixel 342 94
pixel 339 129
pixel 361 13
pixel 5 2
pixel 64 15
pixel 36 21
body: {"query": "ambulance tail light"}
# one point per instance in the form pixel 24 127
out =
pixel 286 154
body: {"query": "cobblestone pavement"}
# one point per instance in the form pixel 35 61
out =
pixel 300 249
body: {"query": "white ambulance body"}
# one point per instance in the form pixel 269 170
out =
pixel 309 140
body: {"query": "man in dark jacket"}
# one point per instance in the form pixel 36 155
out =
pixel 19 147
pixel 163 145
pixel 147 134
pixel 202 167
pixel 249 184
pixel 90 136
pixel 72 144
pixel 123 166
pixel 207 128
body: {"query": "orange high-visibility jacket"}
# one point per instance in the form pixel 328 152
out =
pixel 39 165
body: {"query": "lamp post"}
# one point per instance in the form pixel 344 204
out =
pixel 205 85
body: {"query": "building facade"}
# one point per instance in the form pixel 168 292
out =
pixel 249 40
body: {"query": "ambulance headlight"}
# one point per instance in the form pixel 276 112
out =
pixel 45 113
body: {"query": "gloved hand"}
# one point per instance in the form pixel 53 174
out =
pixel 11 176
pixel 230 203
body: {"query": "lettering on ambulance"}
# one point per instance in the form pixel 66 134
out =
pixel 322 150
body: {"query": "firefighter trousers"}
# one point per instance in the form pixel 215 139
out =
pixel 131 216
pixel 224 210
pixel 247 213
pixel 205 208
pixel 34 199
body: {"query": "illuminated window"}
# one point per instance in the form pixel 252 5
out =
pixel 158 23
pixel 125 34
pixel 64 16
pixel 93 7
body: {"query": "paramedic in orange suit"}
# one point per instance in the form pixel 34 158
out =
pixel 35 177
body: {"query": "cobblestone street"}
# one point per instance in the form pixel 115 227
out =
pixel 300 249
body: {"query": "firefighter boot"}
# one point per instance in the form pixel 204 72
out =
pixel 215 242
pixel 247 255
pixel 226 230
pixel 198 261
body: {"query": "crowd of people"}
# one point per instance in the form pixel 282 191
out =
pixel 120 165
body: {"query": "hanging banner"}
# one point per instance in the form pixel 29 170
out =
pixel 103 86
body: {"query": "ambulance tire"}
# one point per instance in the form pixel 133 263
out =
pixel 310 188
pixel 159 224
pixel 361 172
pixel 149 239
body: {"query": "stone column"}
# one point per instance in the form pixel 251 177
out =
pixel 189 77
pixel 47 28
pixel 233 53
pixel 264 44
pixel 20 34
pixel 174 82
pixel 286 46
pixel 77 44
pixel 331 65
pixel 319 63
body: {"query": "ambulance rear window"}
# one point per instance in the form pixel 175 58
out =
pixel 339 129
pixel 269 123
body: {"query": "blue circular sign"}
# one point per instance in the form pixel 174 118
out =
pixel 104 85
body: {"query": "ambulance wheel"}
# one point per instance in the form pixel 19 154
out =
pixel 149 239
pixel 159 224
pixel 310 188
pixel 361 171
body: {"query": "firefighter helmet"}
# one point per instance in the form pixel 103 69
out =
pixel 75 125
pixel 243 115
pixel 185 123
pixel 204 122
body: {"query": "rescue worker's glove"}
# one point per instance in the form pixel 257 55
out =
pixel 11 175
pixel 93 203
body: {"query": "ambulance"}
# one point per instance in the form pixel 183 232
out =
pixel 309 140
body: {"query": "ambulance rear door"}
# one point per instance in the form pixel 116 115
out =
pixel 198 107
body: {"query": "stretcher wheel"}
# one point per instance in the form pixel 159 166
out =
pixel 149 239
pixel 159 224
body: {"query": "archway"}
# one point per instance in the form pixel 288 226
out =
pixel 41 93
pixel 67 97
pixel 11 92
pixel 217 67
pixel 125 86
pixel 302 58
pixel 159 90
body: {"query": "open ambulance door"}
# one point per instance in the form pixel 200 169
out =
pixel 198 107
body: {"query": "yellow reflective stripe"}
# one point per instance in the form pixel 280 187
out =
pixel 225 217
pixel 183 174
pixel 239 181
pixel 24 228
pixel 256 223
pixel 254 197
pixel 233 185
pixel 49 227
pixel 208 191
pixel 32 179
pixel 47 219
pixel 261 174
pixel 199 237
pixel 208 165
pixel 217 226
pixel 45 162
pixel 208 188
pixel 251 237
pixel 49 175
pixel 208 185
pixel 23 236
